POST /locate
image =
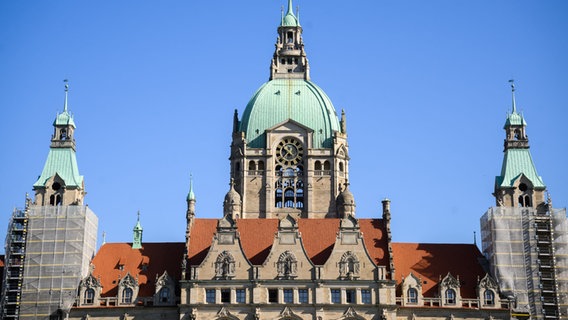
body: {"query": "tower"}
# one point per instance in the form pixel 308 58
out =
pixel 53 239
pixel 289 152
pixel 523 237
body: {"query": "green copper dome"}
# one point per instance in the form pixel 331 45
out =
pixel 279 100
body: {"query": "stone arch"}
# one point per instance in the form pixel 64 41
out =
pixel 287 265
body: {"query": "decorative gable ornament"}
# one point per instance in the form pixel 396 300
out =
pixel 450 282
pixel 350 313
pixel 488 282
pixel 349 266
pixel 287 265
pixel 287 313
pixel 225 266
pixel 225 314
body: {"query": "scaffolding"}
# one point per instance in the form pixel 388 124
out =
pixel 60 241
pixel 14 264
pixel 528 255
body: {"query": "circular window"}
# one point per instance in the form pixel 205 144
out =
pixel 523 187
pixel 56 186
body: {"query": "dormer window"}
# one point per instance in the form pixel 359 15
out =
pixel 89 296
pixel 164 295
pixel 127 295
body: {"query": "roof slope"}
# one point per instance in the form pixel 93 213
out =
pixel 257 235
pixel 61 161
pixel 515 163
pixel 158 257
pixel 430 261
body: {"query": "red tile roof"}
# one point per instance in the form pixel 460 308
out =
pixel 257 236
pixel 157 258
pixel 432 261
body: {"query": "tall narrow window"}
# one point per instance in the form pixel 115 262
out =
pixel 366 296
pixel 252 166
pixel 412 295
pixel 225 295
pixel 288 295
pixel 303 296
pixel 350 296
pixel 488 298
pixel 210 295
pixel 89 296
pixel 164 294
pixel 273 295
pixel 335 296
pixel 127 295
pixel 241 295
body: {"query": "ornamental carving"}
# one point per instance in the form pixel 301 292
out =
pixel 488 283
pixel 349 266
pixel 225 266
pixel 128 281
pixel 450 282
pixel 287 265
pixel 90 282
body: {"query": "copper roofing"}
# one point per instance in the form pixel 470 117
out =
pixel 114 260
pixel 515 163
pixel 257 236
pixel 429 262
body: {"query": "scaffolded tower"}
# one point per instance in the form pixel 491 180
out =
pixel 524 238
pixel 51 242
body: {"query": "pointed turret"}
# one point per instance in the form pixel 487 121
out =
pixel 190 200
pixel 289 61
pixel 137 238
pixel 519 184
pixel 60 182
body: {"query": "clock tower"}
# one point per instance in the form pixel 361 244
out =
pixel 289 153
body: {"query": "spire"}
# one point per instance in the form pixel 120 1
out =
pixel 289 61
pixel 137 241
pixel 66 94
pixel 512 82
pixel 191 195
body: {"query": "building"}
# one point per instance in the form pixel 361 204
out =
pixel 523 236
pixel 288 244
pixel 51 242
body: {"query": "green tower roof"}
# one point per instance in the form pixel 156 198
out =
pixel 279 100
pixel 290 20
pixel 518 162
pixel 191 195
pixel 61 161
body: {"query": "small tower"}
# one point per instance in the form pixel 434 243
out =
pixel 60 182
pixel 289 60
pixel 519 184
pixel 232 204
pixel 190 200
pixel 137 239
pixel 345 203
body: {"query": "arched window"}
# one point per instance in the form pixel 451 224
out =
pixel 317 166
pixel 450 296
pixel 341 169
pixel 517 134
pixel 260 165
pixel 127 295
pixel 278 198
pixel 89 296
pixel 237 167
pixel 326 166
pixel 63 134
pixel 488 297
pixel 412 295
pixel 289 198
pixel 252 166
pixel 164 294
pixel 525 201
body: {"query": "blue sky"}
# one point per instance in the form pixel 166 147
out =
pixel 153 86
